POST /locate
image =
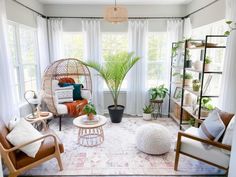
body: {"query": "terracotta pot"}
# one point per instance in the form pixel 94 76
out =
pixel 147 116
pixel 188 82
pixel 207 67
pixel 90 116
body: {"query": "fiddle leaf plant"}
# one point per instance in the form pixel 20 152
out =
pixel 114 70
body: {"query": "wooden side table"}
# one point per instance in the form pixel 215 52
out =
pixel 42 117
pixel 157 107
pixel 90 135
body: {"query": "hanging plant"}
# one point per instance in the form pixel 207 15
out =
pixel 231 25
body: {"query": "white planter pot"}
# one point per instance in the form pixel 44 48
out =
pixel 197 65
pixel 188 82
pixel 147 116
pixel 207 67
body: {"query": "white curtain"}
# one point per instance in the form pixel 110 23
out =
pixel 187 28
pixel 42 43
pixel 91 30
pixel 8 105
pixel 137 91
pixel 174 34
pixel 228 85
pixel 55 31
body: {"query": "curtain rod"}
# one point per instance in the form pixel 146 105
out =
pixel 213 2
pixel 44 16
pixel 128 17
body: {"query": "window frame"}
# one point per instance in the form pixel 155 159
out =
pixel 19 65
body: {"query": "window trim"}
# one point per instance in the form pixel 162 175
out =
pixel 19 64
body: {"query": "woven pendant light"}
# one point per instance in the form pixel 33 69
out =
pixel 116 14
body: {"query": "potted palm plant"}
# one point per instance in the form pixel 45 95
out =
pixel 114 72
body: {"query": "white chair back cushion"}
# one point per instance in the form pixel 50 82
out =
pixel 228 136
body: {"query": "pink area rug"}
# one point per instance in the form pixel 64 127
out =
pixel 118 154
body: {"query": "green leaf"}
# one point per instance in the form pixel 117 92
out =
pixel 228 22
pixel 227 33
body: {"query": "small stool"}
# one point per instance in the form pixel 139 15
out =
pixel 157 107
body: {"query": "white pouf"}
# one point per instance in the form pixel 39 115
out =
pixel 153 139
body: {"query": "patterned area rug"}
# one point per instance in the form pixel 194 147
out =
pixel 118 154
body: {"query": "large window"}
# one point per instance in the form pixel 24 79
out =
pixel 113 43
pixel 23 52
pixel 73 45
pixel 156 58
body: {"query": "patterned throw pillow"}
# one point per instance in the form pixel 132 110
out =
pixel 64 94
pixel 213 127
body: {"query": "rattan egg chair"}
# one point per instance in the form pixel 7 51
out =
pixel 64 68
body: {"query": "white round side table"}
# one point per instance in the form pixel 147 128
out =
pixel 43 117
pixel 90 135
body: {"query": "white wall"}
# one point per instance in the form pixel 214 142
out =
pixel 22 15
pixel 211 14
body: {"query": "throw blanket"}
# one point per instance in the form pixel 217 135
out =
pixel 75 108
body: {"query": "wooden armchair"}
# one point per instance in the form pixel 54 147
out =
pixel 18 162
pixel 189 144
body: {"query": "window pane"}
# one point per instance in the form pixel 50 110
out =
pixel 73 45
pixel 30 77
pixel 157 46
pixel 113 43
pixel 27 45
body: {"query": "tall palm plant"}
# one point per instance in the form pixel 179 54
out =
pixel 114 71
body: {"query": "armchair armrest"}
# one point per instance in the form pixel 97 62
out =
pixel 25 144
pixel 210 142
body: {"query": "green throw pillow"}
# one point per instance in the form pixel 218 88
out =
pixel 77 92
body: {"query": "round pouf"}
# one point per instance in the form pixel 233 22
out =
pixel 153 139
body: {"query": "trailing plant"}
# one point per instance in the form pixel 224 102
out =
pixel 191 121
pixel 175 48
pixel 206 104
pixel 114 71
pixel 89 108
pixel 147 109
pixel 187 76
pixel 208 60
pixel 158 92
pixel 232 26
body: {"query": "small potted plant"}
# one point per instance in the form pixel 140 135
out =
pixel 147 112
pixel 90 111
pixel 158 93
pixel 208 61
pixel 188 62
pixel 206 107
pixel 191 121
pixel 196 85
pixel 188 79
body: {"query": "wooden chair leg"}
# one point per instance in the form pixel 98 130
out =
pixel 176 160
pixel 59 123
pixel 59 162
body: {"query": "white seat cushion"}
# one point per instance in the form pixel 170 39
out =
pixel 197 149
pixel 61 109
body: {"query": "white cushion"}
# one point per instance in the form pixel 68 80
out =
pixel 22 133
pixel 197 149
pixel 65 95
pixel 13 123
pixel 61 109
pixel 86 94
pixel 55 85
pixel 228 136
pixel 213 127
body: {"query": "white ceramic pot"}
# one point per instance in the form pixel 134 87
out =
pixel 188 99
pixel 197 65
pixel 188 82
pixel 204 113
pixel 207 67
pixel 147 116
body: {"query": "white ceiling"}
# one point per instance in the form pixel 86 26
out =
pixel 127 2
